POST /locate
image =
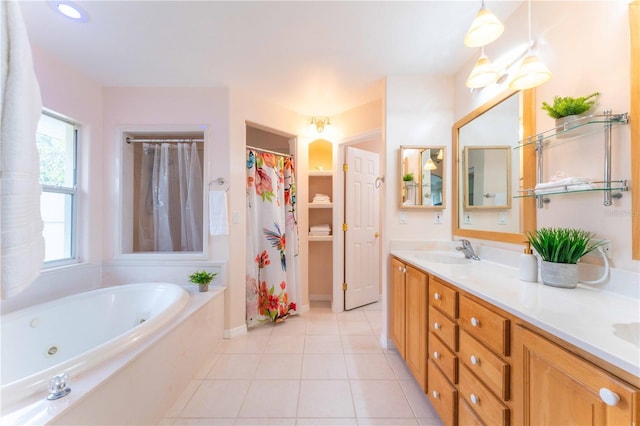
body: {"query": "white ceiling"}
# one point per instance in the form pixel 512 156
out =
pixel 313 57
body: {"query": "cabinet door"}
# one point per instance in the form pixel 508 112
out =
pixel 397 305
pixel 416 324
pixel 561 388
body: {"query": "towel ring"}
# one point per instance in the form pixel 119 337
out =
pixel 219 181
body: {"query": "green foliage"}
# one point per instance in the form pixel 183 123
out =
pixel 562 245
pixel 408 177
pixel 52 160
pixel 567 105
pixel 202 277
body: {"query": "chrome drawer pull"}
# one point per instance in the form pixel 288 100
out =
pixel 436 296
pixel 609 397
pixel 436 394
pixel 436 355
pixel 475 322
pixel 474 399
pixel 436 325
pixel 475 360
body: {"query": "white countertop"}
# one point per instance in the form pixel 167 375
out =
pixel 603 323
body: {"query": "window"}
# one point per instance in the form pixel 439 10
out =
pixel 57 145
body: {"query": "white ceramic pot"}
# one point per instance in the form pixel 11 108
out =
pixel 564 275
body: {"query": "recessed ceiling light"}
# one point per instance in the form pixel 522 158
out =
pixel 70 10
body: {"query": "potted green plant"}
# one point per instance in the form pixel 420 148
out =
pixel 565 109
pixel 202 278
pixel 408 177
pixel 560 250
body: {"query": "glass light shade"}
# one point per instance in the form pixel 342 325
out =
pixel 484 29
pixel 532 73
pixel 482 74
pixel 440 154
pixel 430 165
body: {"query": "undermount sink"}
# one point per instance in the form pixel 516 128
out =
pixel 443 257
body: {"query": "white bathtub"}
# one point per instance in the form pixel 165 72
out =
pixel 77 333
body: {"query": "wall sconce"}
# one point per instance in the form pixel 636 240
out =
pixel 320 123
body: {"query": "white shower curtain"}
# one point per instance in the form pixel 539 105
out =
pixel 170 203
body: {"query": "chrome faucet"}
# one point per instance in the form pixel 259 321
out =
pixel 467 250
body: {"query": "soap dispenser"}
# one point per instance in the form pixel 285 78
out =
pixel 528 265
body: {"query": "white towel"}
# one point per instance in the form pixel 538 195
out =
pixel 218 221
pixel 563 182
pixel 323 227
pixel 22 244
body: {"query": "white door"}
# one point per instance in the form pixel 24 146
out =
pixel 362 216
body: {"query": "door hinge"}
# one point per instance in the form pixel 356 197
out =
pixel 345 227
pixel 344 286
pixel 345 167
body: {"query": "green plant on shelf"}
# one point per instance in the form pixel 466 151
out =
pixel 562 245
pixel 565 106
pixel 408 177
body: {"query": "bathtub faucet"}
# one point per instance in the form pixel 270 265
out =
pixel 59 386
pixel 467 250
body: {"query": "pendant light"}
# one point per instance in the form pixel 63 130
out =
pixel 485 28
pixel 532 71
pixel 430 165
pixel 482 74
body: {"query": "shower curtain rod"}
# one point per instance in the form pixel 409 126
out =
pixel 269 151
pixel 185 140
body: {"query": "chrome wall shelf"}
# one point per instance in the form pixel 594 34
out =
pixel 574 130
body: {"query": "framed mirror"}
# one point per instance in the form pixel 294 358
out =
pixel 489 173
pixel 422 178
pixel 487 177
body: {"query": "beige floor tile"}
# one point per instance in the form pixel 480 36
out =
pixel 247 344
pixel 361 344
pixel 323 344
pixel 281 344
pixel 166 422
pixel 203 371
pixel 324 366
pixel 271 398
pixel 369 367
pixel 373 306
pixel 398 366
pixel 325 398
pixel 322 327
pixel 217 398
pixel 355 315
pixel 387 422
pixel 205 422
pixel 355 328
pixel 430 421
pixel 261 421
pixel 327 421
pixel 294 326
pixel 418 401
pixel 279 367
pixel 235 366
pixel 379 398
pixel 183 399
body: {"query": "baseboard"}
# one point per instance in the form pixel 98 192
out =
pixel 320 298
pixel 235 332
pixel 302 309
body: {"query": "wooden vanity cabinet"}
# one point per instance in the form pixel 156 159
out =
pixel 409 317
pixel 398 313
pixel 556 386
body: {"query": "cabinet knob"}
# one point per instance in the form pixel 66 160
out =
pixel 475 360
pixel 399 268
pixel 609 397
pixel 436 325
pixel 475 322
pixel 474 398
pixel 436 296
pixel 435 394
pixel 436 355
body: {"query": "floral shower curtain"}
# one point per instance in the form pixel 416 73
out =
pixel 272 238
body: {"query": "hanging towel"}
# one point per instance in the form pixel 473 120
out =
pixel 218 222
pixel 22 244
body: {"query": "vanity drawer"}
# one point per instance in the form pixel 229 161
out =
pixel 441 326
pixel 444 358
pixel 489 408
pixel 466 416
pixel 489 327
pixel 489 368
pixel 443 297
pixel 442 395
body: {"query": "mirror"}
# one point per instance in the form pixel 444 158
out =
pixel 487 177
pixel 489 172
pixel 422 171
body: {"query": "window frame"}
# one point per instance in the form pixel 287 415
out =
pixel 71 191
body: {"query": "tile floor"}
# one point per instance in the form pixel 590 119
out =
pixel 319 368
